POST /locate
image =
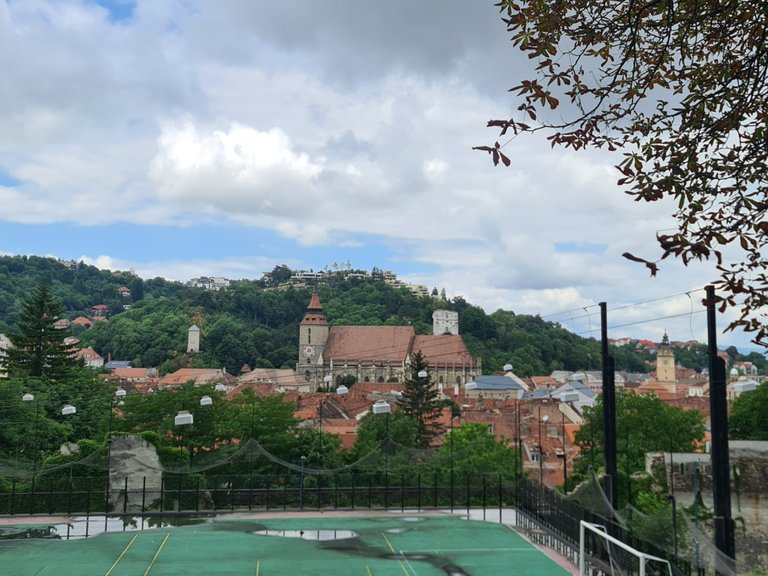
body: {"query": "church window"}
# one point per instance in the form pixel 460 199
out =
pixel 458 380
pixel 306 375
pixel 366 379
pixel 309 335
pixel 381 379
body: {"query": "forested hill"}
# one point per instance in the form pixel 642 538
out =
pixel 249 323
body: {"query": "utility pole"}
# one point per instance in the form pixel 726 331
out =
pixel 609 412
pixel 718 407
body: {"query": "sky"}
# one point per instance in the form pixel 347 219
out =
pixel 181 138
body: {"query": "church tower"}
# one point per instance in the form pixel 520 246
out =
pixel 313 334
pixel 665 366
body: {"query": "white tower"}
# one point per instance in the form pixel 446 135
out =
pixel 193 339
pixel 445 322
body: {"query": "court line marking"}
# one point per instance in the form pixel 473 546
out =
pixel 257 568
pixel 369 570
pixel 392 548
pixel 483 550
pixel 157 553
pixel 121 555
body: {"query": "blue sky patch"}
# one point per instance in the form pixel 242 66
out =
pixel 7 180
pixel 118 9
pixel 139 244
pixel 580 247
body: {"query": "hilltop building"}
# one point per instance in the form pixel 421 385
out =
pixel 377 353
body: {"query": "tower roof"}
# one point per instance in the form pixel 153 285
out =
pixel 314 313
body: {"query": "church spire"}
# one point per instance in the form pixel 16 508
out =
pixel 314 313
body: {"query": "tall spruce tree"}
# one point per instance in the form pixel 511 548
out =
pixel 420 401
pixel 37 350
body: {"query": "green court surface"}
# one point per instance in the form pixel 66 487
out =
pixel 370 546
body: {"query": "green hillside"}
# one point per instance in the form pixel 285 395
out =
pixel 253 324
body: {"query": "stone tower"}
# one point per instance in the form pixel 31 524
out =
pixel 665 365
pixel 193 339
pixel 313 334
pixel 445 322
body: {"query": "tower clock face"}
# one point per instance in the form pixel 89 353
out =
pixel 309 351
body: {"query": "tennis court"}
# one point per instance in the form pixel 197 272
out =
pixel 396 544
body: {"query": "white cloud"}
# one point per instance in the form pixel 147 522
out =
pixel 329 124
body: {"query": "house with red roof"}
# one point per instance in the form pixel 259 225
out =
pixel 90 357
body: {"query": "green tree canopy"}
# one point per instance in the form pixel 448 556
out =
pixel 37 349
pixel 643 424
pixel 748 415
pixel 680 91
pixel 419 400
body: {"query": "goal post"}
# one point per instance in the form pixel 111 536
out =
pixel 601 553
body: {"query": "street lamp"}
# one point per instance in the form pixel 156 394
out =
pixel 184 418
pixel 543 419
pixel 31 398
pixel 68 410
pixel 565 459
pixel 119 394
pixel 301 488
pixel 383 407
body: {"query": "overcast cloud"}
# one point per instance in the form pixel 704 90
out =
pixel 333 130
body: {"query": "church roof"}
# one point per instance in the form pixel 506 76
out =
pixel 444 349
pixel 368 344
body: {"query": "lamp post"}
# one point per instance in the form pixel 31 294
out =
pixel 383 407
pixel 565 458
pixel 184 418
pixel 31 398
pixel 119 394
pixel 543 419
pixel 301 486
pixel 66 410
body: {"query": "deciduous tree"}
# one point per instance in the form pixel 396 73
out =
pixel 680 91
pixel 748 421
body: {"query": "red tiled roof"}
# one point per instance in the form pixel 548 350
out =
pixel 368 344
pixel 196 375
pixel 441 350
pixel 130 373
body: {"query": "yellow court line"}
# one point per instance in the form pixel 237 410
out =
pixel 392 548
pixel 121 555
pixel 257 568
pixel 369 571
pixel 157 553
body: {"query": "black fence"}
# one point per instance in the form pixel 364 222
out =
pixel 194 493
pixel 545 516
pixel 553 521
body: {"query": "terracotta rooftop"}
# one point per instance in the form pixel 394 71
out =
pixel 441 350
pixel 199 376
pixel 368 344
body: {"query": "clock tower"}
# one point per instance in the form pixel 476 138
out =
pixel 665 366
pixel 313 334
